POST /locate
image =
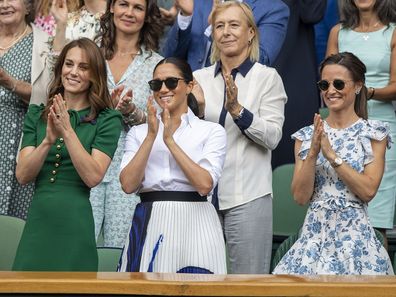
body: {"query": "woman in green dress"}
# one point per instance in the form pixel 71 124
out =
pixel 66 148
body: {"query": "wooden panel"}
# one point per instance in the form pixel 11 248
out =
pixel 156 284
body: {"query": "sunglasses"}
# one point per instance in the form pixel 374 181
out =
pixel 170 82
pixel 338 84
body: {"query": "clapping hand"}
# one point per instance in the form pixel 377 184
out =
pixel 317 136
pixel 60 116
pixel 124 104
pixel 231 105
pixel 166 120
pixel 152 120
pixel 199 95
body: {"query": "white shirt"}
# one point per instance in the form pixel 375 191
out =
pixel 204 142
pixel 247 170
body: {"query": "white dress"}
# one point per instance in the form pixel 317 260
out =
pixel 176 236
pixel 337 237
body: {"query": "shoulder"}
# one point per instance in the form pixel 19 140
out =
pixel 109 114
pixel 205 73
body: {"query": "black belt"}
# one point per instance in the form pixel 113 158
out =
pixel 172 196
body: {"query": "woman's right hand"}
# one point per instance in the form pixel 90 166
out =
pixel 317 136
pixel 59 11
pixel 152 119
pixel 51 134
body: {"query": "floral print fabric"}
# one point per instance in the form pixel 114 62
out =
pixel 337 237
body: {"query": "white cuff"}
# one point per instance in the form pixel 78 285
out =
pixel 183 21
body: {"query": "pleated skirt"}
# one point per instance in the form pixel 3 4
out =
pixel 175 237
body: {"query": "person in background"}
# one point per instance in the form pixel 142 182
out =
pixel 322 29
pixel 190 36
pixel 247 99
pixel 296 64
pixel 339 166
pixel 368 31
pixel 129 40
pixel 84 22
pixel 24 77
pixel 67 147
pixel 44 20
pixel 174 161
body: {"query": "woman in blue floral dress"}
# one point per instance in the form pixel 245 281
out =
pixel 339 166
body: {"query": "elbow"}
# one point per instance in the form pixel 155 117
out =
pixel 368 195
pixel 127 186
pixel 127 190
pixel 94 180
pixel 300 197
pixel 300 200
pixel 205 188
pixel 22 178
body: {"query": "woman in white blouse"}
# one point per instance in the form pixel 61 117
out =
pixel 248 100
pixel 173 161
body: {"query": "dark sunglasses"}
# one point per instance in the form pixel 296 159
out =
pixel 339 84
pixel 170 82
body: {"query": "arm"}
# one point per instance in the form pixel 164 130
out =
pixel 312 11
pixel 365 184
pixel 90 167
pixel 199 177
pixel 388 93
pixel 265 127
pixel 132 174
pixel 31 158
pixel 60 12
pixel 302 186
pixel 179 36
pixel 272 26
pixel 19 87
pixel 332 43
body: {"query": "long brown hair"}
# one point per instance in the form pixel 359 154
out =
pixel 98 93
pixel 357 69
pixel 149 34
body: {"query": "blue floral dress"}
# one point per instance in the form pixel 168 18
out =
pixel 337 237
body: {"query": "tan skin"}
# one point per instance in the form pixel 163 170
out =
pixel 341 115
pixel 132 175
pixel 90 167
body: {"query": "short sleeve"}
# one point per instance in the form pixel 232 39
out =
pixel 132 145
pixel 108 131
pixel 30 125
pixel 305 136
pixel 374 130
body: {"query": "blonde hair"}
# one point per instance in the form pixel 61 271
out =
pixel 254 46
pixel 42 7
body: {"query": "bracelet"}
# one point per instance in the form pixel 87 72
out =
pixel 372 93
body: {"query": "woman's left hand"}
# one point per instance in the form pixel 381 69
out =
pixel 166 120
pixel 232 105
pixel 60 116
pixel 327 150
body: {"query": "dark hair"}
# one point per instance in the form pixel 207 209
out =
pixel 350 17
pixel 187 75
pixel 98 93
pixel 357 69
pixel 148 37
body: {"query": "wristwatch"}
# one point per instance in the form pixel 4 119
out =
pixel 336 162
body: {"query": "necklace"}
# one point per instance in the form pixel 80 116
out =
pixel 134 53
pixel 15 40
pixel 366 32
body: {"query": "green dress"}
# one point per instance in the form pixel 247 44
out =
pixel 59 232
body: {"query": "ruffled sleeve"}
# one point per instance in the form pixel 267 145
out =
pixel 30 125
pixel 108 131
pixel 374 130
pixel 305 136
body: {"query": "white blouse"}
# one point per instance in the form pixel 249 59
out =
pixel 204 142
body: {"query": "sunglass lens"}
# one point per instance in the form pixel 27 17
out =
pixel 338 84
pixel 323 85
pixel 171 83
pixel 155 85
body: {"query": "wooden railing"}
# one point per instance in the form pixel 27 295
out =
pixel 156 284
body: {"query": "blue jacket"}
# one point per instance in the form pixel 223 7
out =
pixel 271 18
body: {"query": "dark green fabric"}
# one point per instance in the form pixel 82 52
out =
pixel 59 232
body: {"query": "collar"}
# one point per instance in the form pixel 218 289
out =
pixel 189 117
pixel 243 69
